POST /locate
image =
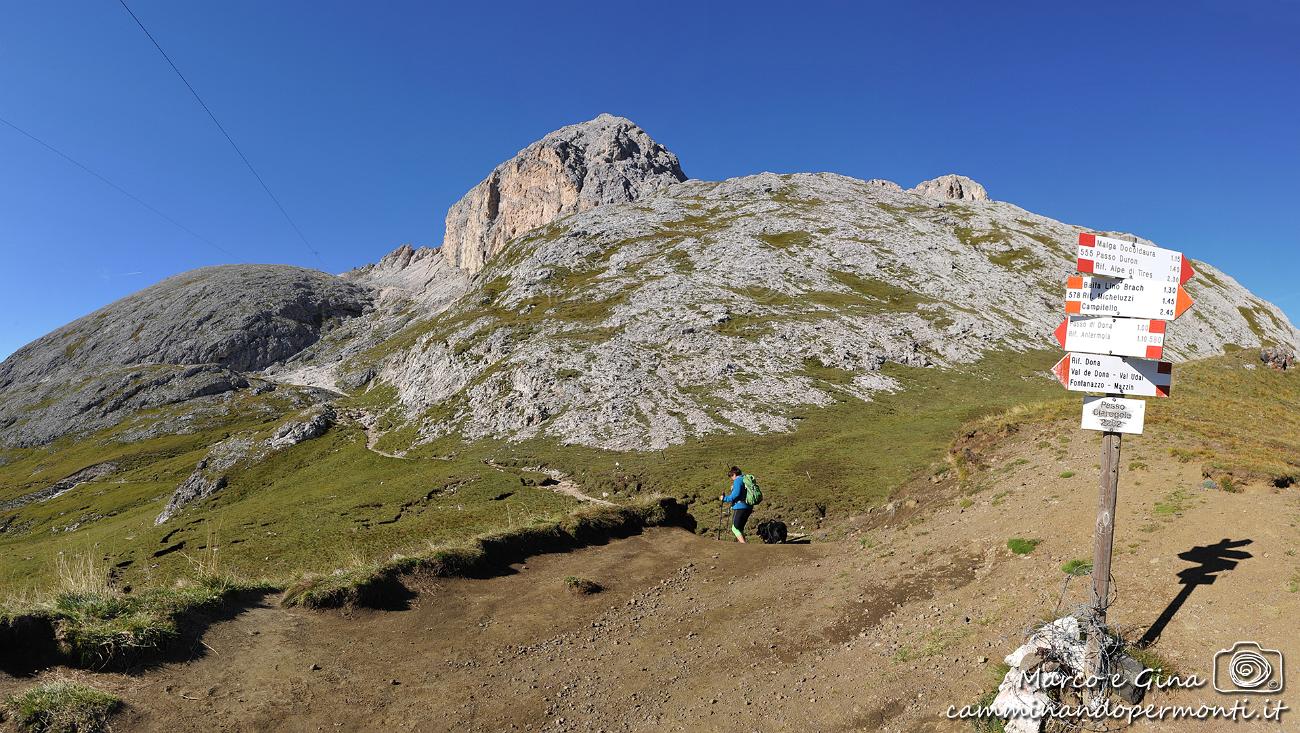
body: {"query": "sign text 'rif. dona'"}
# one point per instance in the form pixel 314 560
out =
pixel 1114 375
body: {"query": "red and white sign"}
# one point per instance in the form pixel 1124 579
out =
pixel 1086 295
pixel 1112 257
pixel 1113 415
pixel 1114 375
pixel 1144 337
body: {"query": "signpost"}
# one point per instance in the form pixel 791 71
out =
pixel 1117 311
pixel 1100 255
pixel 1086 295
pixel 1114 414
pixel 1143 337
pixel 1114 375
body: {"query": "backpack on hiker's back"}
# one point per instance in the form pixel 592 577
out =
pixel 753 494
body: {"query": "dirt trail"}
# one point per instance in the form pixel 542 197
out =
pixel 569 487
pixel 881 625
pixel 366 421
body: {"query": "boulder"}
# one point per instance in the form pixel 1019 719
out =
pixel 296 431
pixel 1277 357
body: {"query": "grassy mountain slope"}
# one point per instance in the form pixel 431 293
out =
pixel 828 334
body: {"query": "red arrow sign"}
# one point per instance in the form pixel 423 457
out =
pixel 1086 295
pixel 1112 257
pixel 1142 337
pixel 1114 375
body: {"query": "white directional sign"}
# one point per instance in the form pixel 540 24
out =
pixel 1143 337
pixel 1100 255
pixel 1113 414
pixel 1086 295
pixel 1114 375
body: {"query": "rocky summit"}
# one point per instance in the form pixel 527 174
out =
pixel 607 160
pixel 586 292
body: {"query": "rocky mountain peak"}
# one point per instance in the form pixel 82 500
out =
pixel 952 186
pixel 576 168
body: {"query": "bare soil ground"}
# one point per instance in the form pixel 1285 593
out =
pixel 880 624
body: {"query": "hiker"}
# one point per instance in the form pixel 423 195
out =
pixel 744 495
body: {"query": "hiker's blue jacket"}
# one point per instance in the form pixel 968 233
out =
pixel 737 495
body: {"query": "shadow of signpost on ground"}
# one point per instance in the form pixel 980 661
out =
pixel 1210 560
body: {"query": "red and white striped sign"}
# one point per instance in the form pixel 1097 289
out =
pixel 1144 337
pixel 1086 295
pixel 1114 375
pixel 1112 257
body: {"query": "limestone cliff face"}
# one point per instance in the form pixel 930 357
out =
pixel 576 168
pixel 957 188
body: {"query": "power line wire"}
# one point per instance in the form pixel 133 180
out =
pixel 222 128
pixel 116 187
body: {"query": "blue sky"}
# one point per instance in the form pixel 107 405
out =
pixel 1178 121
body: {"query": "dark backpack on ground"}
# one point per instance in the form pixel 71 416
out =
pixel 772 532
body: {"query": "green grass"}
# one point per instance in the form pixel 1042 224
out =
pixel 1174 503
pixel 63 707
pixel 1077 567
pixel 1252 321
pixel 996 235
pixel 106 629
pixel 1022 546
pixel 115 513
pixel 1237 423
pixel 1013 259
pixel 991 724
pixel 94 623
pixel 888 296
pixel 845 457
pixel 1153 660
pixel 330 503
pixel 315 506
pixel 787 239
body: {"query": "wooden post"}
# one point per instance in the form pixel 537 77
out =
pixel 1104 535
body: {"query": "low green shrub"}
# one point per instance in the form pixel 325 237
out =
pixel 1077 567
pixel 103 628
pixel 63 707
pixel 1022 546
